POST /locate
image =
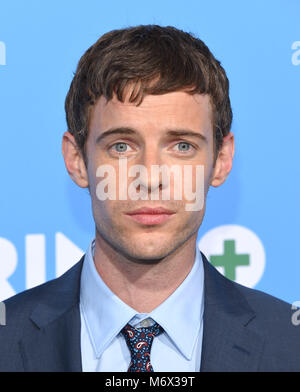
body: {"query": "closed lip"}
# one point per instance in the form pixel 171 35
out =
pixel 151 211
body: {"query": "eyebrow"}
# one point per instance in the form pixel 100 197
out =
pixel 132 131
pixel 185 132
pixel 115 131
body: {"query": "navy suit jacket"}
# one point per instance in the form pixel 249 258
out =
pixel 244 329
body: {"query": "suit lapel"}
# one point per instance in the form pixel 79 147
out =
pixel 229 343
pixel 53 343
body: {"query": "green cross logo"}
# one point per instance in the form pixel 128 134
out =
pixel 230 260
pixel 237 250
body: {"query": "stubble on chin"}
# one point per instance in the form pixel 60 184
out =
pixel 146 250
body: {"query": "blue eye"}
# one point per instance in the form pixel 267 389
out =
pixel 183 146
pixel 121 147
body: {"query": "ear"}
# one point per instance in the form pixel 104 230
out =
pixel 223 163
pixel 74 160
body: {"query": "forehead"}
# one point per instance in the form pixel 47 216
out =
pixel 156 112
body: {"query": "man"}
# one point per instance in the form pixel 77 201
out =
pixel 144 298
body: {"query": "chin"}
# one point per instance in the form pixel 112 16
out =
pixel 146 259
pixel 146 253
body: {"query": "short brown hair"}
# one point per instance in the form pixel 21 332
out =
pixel 155 60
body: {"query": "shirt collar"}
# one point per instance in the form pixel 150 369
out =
pixel 106 314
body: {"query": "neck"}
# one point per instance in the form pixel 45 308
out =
pixel 143 286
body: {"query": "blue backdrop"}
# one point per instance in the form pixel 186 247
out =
pixel 46 221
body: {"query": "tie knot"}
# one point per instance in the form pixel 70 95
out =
pixel 147 333
pixel 139 342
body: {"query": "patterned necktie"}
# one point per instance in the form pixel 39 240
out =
pixel 139 342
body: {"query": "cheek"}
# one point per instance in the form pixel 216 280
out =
pixel 105 216
pixel 193 184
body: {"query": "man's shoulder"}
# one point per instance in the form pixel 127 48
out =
pixel 272 316
pixel 254 320
pixel 225 290
pixel 33 309
pixel 264 304
pixel 51 287
pixel 54 292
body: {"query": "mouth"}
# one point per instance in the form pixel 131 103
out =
pixel 150 216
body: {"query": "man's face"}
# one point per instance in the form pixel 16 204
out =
pixel 153 133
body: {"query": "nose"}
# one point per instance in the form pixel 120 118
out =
pixel 151 178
